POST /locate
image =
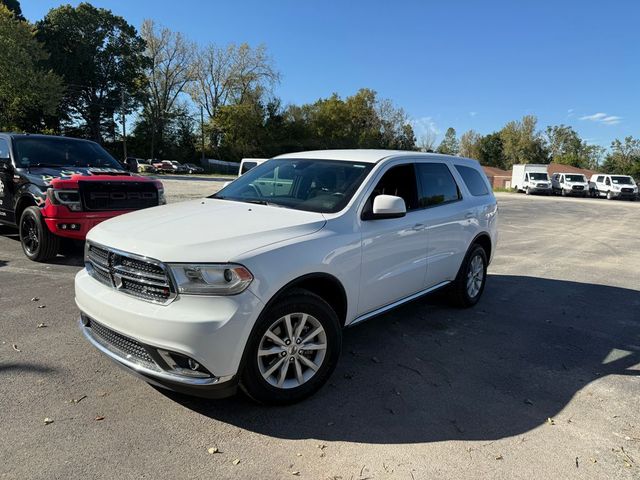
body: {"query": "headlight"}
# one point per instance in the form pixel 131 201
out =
pixel 211 279
pixel 69 198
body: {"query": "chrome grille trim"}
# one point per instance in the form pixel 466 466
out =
pixel 135 275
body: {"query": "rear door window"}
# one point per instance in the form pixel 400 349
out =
pixel 473 180
pixel 438 186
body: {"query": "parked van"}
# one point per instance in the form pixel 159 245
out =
pixel 570 184
pixel 613 186
pixel 248 163
pixel 530 178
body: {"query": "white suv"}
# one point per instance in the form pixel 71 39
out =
pixel 253 285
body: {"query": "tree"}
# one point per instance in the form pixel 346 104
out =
pixel 101 58
pixel 427 141
pixel 450 144
pixel 491 152
pixel 28 91
pixel 228 75
pixel 565 146
pixel 470 144
pixel 624 157
pixel 14 7
pixel 169 71
pixel 522 143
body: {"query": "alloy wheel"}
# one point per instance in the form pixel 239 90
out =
pixel 475 276
pixel 292 350
pixel 29 234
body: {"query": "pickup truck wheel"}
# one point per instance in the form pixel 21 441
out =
pixel 292 351
pixel 526 191
pixel 38 243
pixel 470 281
pixel 609 196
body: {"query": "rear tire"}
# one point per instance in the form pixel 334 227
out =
pixel 469 284
pixel 38 243
pixel 275 371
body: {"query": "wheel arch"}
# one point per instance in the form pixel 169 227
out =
pixel 484 240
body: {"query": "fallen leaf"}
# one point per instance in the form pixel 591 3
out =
pixel 375 359
pixel 48 420
pixel 77 400
pixel 499 457
pixel 99 418
pixel 528 402
pixel 35 299
pixel 593 460
pixel 42 306
pixel 550 421
pixel 236 461
pixel 322 446
pixel 296 473
pixel 42 325
pixel 213 450
pixel 15 347
pixel 329 424
pixel 298 454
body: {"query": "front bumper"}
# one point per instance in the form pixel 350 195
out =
pixel 210 330
pixel 65 223
pixel 536 189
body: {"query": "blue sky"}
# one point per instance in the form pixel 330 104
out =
pixel 466 64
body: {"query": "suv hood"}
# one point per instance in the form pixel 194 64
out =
pixel 206 230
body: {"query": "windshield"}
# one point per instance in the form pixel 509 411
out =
pixel 622 180
pixel 324 186
pixel 61 152
pixel 574 178
pixel 538 176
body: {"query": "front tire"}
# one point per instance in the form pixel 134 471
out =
pixel 471 279
pixel 292 351
pixel 609 196
pixel 38 243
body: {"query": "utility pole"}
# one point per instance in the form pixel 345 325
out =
pixel 124 127
pixel 202 133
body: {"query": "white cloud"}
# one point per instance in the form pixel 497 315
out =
pixel 604 118
pixel 423 125
pixel 473 114
pixel 570 113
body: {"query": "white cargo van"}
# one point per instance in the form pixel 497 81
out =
pixel 570 184
pixel 248 163
pixel 530 178
pixel 613 186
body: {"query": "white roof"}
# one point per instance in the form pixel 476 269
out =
pixel 362 155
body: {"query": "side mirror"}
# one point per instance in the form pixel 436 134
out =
pixel 388 206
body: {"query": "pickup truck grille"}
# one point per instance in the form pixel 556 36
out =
pixel 140 277
pixel 115 196
pixel 578 187
pixel 627 190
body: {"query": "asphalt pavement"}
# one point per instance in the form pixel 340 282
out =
pixel 540 380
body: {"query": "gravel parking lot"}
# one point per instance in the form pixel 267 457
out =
pixel 540 380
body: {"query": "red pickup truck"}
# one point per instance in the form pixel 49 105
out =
pixel 58 187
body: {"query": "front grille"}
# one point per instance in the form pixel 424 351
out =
pixel 106 196
pixel 541 185
pixel 142 278
pixel 627 190
pixel 123 346
pixel 578 187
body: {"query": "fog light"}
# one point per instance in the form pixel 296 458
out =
pixel 193 365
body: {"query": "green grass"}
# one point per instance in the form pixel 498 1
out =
pixel 503 190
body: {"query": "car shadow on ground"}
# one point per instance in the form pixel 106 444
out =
pixel 71 251
pixel 428 372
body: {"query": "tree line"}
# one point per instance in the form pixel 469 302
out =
pixel 81 70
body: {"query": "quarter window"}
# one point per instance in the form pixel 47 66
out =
pixel 437 184
pixel 473 180
pixel 600 179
